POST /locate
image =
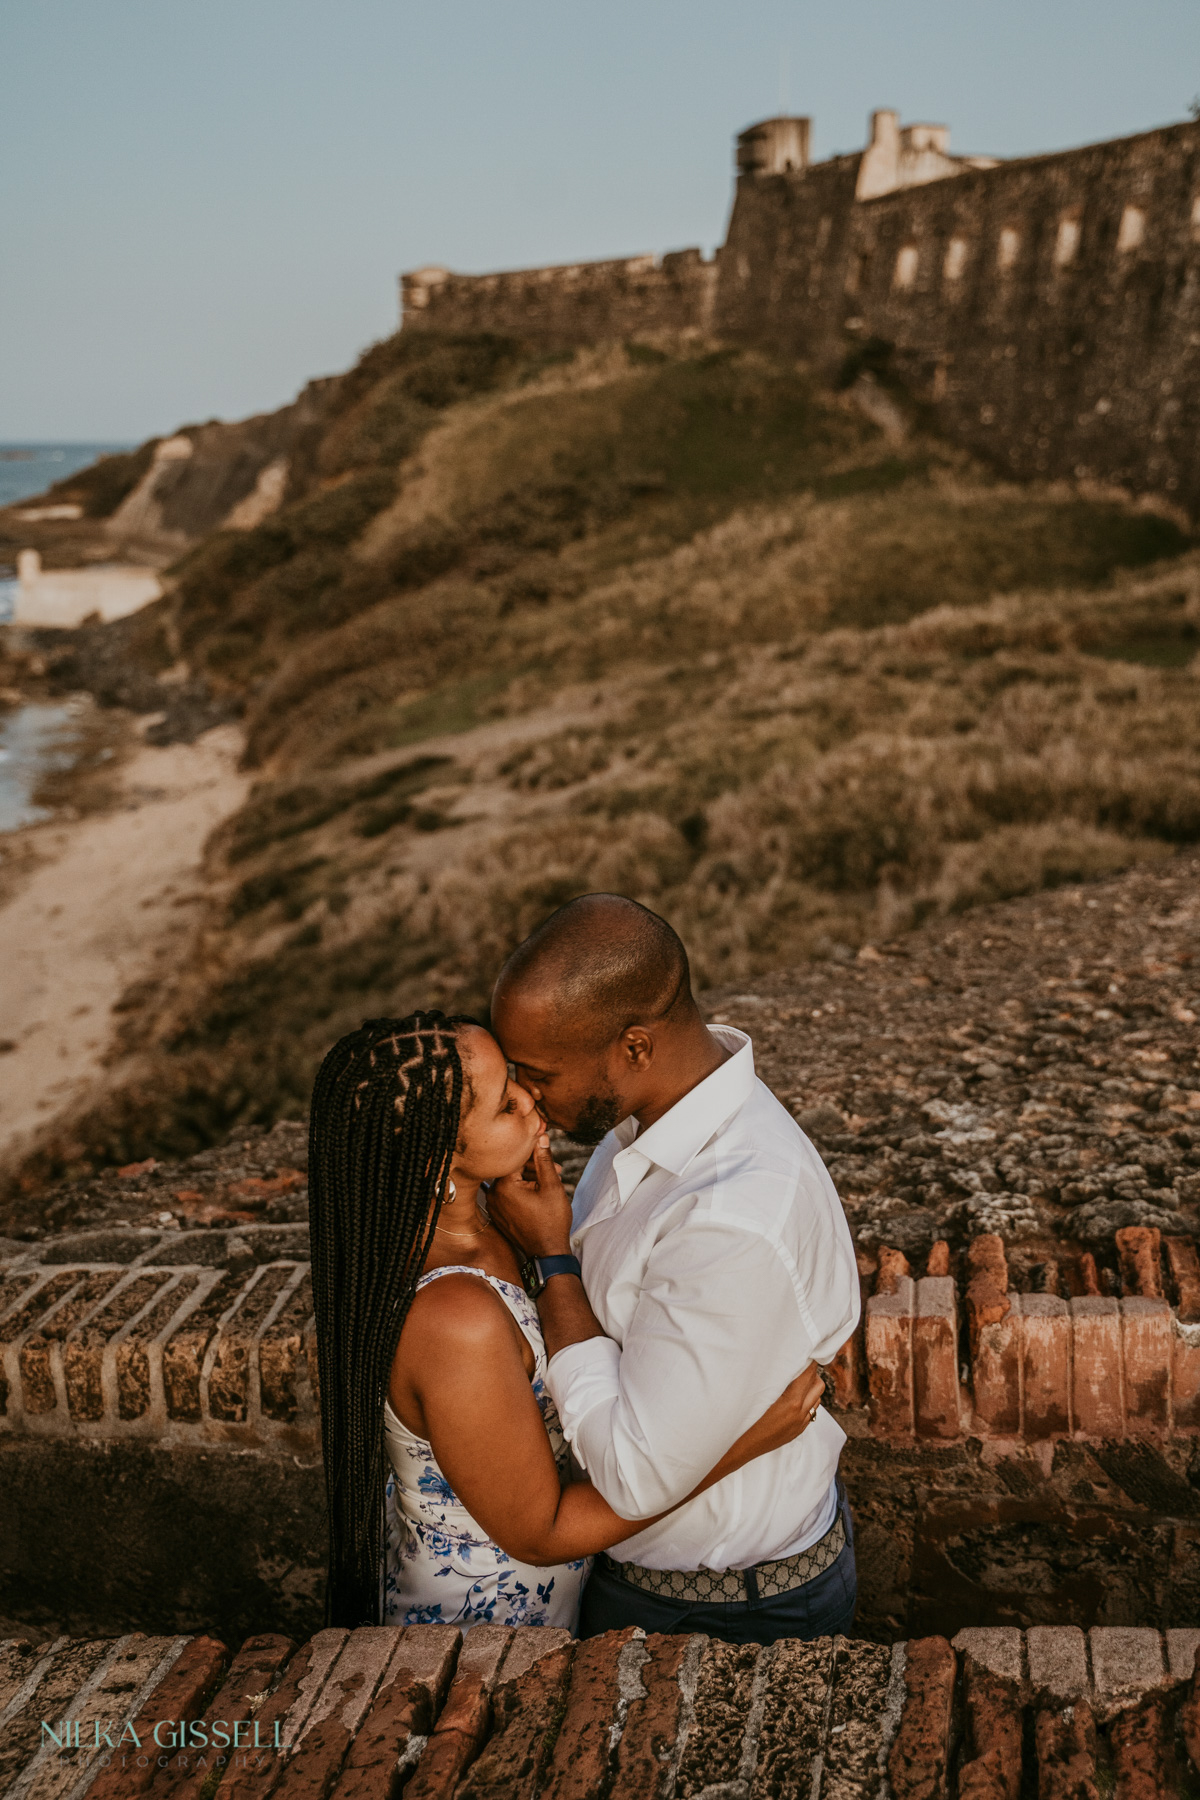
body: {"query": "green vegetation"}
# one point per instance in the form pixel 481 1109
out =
pixel 676 623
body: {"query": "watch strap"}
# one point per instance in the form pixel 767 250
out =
pixel 538 1270
pixel 556 1265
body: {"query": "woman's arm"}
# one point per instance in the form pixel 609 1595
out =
pixel 462 1359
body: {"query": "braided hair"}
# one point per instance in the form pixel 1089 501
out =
pixel 385 1118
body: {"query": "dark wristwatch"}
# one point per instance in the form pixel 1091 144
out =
pixel 538 1270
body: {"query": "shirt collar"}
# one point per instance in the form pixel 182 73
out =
pixel 682 1132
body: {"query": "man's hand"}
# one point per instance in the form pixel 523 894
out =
pixel 534 1214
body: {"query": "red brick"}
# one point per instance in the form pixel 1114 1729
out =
pixel 652 1723
pixel 918 1757
pixel 1046 1357
pixel 992 1770
pixel 288 1708
pixel 1147 1334
pixel 579 1762
pixel 987 1290
pixel 996 1373
pixel 1089 1274
pixel 1065 1740
pixel 939 1259
pixel 893 1269
pixel 848 1372
pixel 1189 1718
pixel 335 1717
pixel 1139 1249
pixel 180 1695
pixel 252 1673
pixel 405 1707
pixel 1143 1753
pixel 889 1359
pixel 1185 1378
pixel 1185 1275
pixel 529 1645
pixel 935 1358
pixel 525 1715
pixel 1182 1644
pixel 1127 1664
pixel 463 1723
pixel 1096 1402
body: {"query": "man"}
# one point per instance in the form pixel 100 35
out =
pixel 713 1262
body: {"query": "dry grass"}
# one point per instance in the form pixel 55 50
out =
pixel 817 693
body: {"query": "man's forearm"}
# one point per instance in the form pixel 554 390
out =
pixel 565 1314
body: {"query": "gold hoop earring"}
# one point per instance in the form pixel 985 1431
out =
pixel 451 1194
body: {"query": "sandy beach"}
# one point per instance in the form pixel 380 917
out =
pixel 107 899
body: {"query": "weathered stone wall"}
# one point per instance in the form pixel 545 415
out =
pixel 1048 309
pixel 572 304
pixel 505 1713
pixel 199 1337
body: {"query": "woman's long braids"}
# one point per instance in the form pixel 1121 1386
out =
pixel 384 1123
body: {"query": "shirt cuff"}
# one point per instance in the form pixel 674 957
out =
pixel 583 1376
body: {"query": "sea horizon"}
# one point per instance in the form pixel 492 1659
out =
pixel 28 466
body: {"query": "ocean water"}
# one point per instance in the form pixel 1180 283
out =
pixel 33 739
pixel 28 469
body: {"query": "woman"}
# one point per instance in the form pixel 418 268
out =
pixel 430 1352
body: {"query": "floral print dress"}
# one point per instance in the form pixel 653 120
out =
pixel 440 1567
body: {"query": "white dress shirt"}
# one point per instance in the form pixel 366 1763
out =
pixel 717 1257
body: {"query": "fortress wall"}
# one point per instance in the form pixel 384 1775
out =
pixel 575 304
pixel 1049 309
pixel 782 267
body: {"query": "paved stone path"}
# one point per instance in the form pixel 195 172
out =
pixel 501 1713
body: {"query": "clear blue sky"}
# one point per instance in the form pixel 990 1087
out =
pixel 205 204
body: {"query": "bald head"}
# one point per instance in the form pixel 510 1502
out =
pixel 598 965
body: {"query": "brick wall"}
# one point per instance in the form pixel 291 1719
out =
pixel 502 1714
pixel 207 1337
pixel 1086 1360
pixel 188 1337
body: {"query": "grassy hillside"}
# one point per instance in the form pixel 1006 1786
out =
pixel 676 623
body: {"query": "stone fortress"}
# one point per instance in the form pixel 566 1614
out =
pixel 1045 309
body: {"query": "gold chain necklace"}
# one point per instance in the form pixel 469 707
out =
pixel 464 1236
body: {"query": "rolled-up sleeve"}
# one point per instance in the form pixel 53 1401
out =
pixel 718 1332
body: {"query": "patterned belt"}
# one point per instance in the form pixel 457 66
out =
pixel 761 1582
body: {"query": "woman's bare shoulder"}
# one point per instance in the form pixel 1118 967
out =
pixel 458 1310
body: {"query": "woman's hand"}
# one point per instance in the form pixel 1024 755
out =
pixel 784 1419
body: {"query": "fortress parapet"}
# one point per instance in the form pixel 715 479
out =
pixel 1047 309
pixel 572 303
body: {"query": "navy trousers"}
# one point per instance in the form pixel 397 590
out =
pixel 821 1608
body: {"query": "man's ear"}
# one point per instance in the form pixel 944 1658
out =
pixel 637 1048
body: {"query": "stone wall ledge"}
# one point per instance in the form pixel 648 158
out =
pixel 171 1350
pixel 209 1337
pixel 500 1713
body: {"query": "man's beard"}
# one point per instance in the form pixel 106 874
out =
pixel 596 1118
